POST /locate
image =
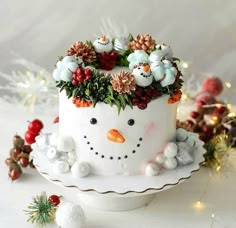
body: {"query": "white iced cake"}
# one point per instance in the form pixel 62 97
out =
pixel 117 109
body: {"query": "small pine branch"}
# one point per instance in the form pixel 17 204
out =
pixel 41 211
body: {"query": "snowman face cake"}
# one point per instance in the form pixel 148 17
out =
pixel 115 144
pixel 102 44
pixel 118 105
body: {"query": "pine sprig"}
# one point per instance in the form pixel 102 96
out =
pixel 41 211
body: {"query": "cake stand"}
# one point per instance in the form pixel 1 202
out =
pixel 120 193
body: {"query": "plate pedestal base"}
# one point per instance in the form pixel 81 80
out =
pixel 114 203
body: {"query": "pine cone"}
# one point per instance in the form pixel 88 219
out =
pixel 107 60
pixel 143 42
pixel 84 51
pixel 123 82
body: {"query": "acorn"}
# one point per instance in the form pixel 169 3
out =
pixel 18 142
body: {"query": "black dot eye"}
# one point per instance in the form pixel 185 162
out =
pixel 93 121
pixel 131 122
pixel 139 68
pixel 142 74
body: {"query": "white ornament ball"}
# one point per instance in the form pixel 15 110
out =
pixel 80 169
pixel 170 150
pixel 152 169
pixel 160 159
pixel 72 66
pixel 65 143
pixel 56 75
pixel 170 163
pixel 69 215
pixel 181 134
pixel 61 167
pixel 41 141
pixel 191 140
pixel 53 139
pixel 66 75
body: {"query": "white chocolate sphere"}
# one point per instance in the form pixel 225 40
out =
pixel 160 159
pixel 61 167
pixel 170 163
pixel 152 169
pixel 65 143
pixel 80 169
pixel 170 150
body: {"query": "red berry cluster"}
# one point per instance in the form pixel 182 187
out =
pixel 143 96
pixel 34 129
pixel 107 60
pixel 207 130
pixel 19 157
pixel 81 75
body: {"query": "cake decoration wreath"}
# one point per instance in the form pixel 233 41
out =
pixel 150 72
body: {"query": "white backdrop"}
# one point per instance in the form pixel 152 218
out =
pixel 202 32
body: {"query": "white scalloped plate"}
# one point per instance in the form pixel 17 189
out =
pixel 121 185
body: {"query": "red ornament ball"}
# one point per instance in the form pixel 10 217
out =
pixel 30 137
pixel 35 126
pixel 213 86
pixel 54 199
pixel 205 99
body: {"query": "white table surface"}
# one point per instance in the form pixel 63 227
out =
pixel 170 209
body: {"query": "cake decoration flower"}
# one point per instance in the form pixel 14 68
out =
pixel 123 82
pixel 162 52
pixel 164 71
pixel 143 42
pixel 137 57
pixel 83 51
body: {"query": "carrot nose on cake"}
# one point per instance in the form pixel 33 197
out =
pixel 146 68
pixel 104 38
pixel 115 136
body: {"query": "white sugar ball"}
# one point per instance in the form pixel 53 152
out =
pixel 170 163
pixel 71 158
pixel 68 59
pixel 56 75
pixel 80 169
pixel 181 134
pixel 53 139
pixel 66 75
pixel 160 159
pixel 170 150
pixel 72 66
pixel 61 167
pixel 65 143
pixel 152 169
pixel 41 141
pixel 52 153
pixel 69 215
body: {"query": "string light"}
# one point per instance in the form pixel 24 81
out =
pixel 228 85
pixel 185 65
